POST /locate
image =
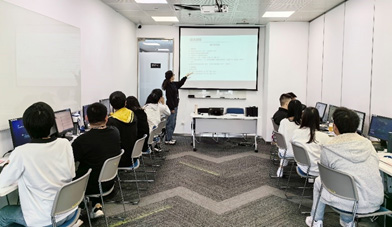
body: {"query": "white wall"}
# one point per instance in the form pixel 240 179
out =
pixel 382 54
pixel 286 66
pixel 357 53
pixel 186 106
pixel 108 48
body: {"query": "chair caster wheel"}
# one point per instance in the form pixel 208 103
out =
pixel 194 149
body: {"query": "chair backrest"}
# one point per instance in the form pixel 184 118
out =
pixel 280 141
pixel 153 133
pixel 161 125
pixel 338 183
pixel 276 127
pixel 70 195
pixel 138 147
pixel 301 156
pixel 109 168
pixel 235 111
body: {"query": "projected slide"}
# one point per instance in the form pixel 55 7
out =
pixel 221 58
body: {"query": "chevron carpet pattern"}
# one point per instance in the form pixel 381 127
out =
pixel 224 183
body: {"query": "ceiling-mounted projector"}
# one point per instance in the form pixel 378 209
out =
pixel 208 9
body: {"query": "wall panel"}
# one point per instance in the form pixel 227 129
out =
pixel 315 61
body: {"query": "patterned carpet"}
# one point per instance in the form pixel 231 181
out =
pixel 224 183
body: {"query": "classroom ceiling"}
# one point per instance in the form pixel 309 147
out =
pixel 239 11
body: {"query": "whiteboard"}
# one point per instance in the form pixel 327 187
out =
pixel 39 61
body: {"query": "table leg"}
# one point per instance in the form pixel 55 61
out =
pixel 256 144
pixel 194 135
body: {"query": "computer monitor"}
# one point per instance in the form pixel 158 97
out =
pixel 19 134
pixel 64 121
pixel 85 120
pixel 380 127
pixel 361 116
pixel 331 110
pixel 106 103
pixel 321 107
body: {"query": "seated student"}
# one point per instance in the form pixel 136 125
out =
pixel 286 128
pixel 155 108
pixel 353 154
pixel 309 136
pixel 93 148
pixel 40 168
pixel 282 111
pixel 124 120
pixel 142 123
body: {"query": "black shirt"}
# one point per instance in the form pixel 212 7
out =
pixel 142 126
pixel 128 135
pixel 92 149
pixel 280 115
pixel 172 98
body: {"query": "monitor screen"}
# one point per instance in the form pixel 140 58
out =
pixel 331 110
pixel 19 134
pixel 380 127
pixel 85 120
pixel 361 116
pixel 321 107
pixel 107 104
pixel 64 121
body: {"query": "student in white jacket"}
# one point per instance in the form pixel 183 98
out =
pixel 155 108
pixel 310 138
pixel 286 128
pixel 355 155
pixel 40 168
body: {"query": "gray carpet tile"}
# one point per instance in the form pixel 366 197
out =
pixel 224 183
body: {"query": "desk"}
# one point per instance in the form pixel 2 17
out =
pixel 237 124
pixel 386 168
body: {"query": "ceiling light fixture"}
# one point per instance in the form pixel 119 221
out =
pixel 163 49
pixel 165 19
pixel 151 1
pixel 278 13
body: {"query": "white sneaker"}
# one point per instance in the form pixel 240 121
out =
pixel 78 223
pixel 97 211
pixel 345 224
pixel 310 180
pixel 279 173
pixel 308 222
pixel 170 142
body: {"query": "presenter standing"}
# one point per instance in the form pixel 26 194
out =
pixel 172 101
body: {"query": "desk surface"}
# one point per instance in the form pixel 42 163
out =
pixel 225 116
pixel 384 166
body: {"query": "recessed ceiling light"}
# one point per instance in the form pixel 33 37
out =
pixel 151 44
pixel 165 19
pixel 151 1
pixel 278 13
pixel 163 49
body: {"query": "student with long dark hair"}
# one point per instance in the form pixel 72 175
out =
pixel 141 116
pixel 286 128
pixel 171 87
pixel 155 108
pixel 310 138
